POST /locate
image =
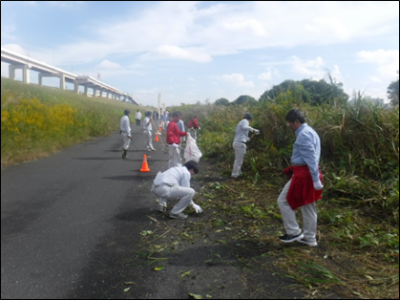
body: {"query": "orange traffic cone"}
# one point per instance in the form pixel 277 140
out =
pixel 157 139
pixel 145 166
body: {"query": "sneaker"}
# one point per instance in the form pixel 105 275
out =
pixel 148 149
pixel 162 208
pixel 124 154
pixel 308 242
pixel 152 149
pixel 180 216
pixel 290 238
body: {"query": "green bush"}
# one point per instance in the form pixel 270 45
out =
pixel 360 145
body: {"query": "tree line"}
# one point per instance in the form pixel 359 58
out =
pixel 309 91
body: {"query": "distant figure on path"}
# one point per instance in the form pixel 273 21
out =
pixel 126 132
pixel 148 128
pixel 305 185
pixel 138 118
pixel 165 119
pixel 239 144
pixel 181 127
pixel 193 127
pixel 175 184
pixel 173 140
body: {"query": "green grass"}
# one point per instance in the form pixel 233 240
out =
pixel 359 214
pixel 37 121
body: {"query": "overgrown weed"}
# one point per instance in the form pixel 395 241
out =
pixel 358 236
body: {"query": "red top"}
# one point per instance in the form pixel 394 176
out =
pixel 301 191
pixel 173 134
pixel 194 123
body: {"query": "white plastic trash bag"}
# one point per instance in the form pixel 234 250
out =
pixel 192 151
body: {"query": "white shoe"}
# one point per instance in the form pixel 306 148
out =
pixel 152 149
pixel 308 242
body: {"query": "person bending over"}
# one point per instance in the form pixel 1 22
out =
pixel 175 184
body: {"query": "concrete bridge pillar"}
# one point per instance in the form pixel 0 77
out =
pixel 86 90
pixel 94 92
pixel 11 71
pixel 62 81
pixel 40 80
pixel 26 74
pixel 76 87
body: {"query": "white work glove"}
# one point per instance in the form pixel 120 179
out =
pixel 318 185
pixel 188 134
pixel 197 208
pixel 257 132
pixel 175 146
pixel 130 137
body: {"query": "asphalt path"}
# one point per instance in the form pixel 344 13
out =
pixel 56 211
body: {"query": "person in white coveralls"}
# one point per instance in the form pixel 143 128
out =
pixel 138 118
pixel 126 133
pixel 175 184
pixel 148 128
pixel 239 144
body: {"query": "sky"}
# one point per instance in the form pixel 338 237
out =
pixel 190 51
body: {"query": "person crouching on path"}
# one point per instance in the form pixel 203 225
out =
pixel 305 185
pixel 174 140
pixel 126 133
pixel 138 118
pixel 175 184
pixel 239 144
pixel 148 132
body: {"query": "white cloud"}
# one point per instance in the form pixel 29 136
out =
pixel 386 60
pixel 311 68
pixel 250 26
pixel 375 79
pixel 107 65
pixel 237 79
pixel 185 30
pixel 16 48
pixel 265 76
pixel 175 52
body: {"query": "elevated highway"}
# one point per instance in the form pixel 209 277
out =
pixel 26 64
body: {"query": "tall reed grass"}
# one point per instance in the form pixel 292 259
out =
pixel 360 145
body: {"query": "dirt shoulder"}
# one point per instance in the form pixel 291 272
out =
pixel 213 255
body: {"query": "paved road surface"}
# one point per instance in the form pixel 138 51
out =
pixel 55 211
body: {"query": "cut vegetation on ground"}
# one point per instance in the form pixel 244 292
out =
pixel 358 251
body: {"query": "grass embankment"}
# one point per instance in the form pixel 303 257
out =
pixel 37 121
pixel 358 254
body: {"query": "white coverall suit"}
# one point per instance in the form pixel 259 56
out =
pixel 148 134
pixel 174 184
pixel 239 145
pixel 126 132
